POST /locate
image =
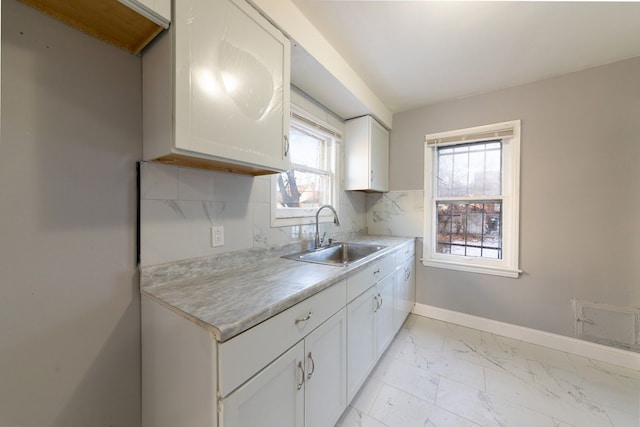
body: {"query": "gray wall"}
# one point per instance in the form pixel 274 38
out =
pixel 69 298
pixel 580 195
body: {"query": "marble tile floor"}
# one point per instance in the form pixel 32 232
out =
pixel 440 374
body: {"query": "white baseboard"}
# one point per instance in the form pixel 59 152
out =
pixel 603 353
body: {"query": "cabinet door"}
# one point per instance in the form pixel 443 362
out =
pixel 273 398
pixel 367 155
pixel 405 292
pixel 326 368
pixel 379 157
pixel 231 83
pixel 385 326
pixel 361 345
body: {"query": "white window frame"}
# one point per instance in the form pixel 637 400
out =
pixel 301 216
pixel 508 266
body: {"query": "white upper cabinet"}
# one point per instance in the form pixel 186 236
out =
pixel 216 91
pixel 158 11
pixel 367 155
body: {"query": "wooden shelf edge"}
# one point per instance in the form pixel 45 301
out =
pixel 215 165
pixel 107 20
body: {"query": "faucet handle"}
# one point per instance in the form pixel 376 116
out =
pixel 322 238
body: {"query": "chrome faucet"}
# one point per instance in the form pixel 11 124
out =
pixel 336 221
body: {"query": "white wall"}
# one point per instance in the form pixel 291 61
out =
pixel 580 196
pixel 179 205
pixel 69 298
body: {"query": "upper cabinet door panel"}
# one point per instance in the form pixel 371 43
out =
pixel 379 157
pixel 231 83
pixel 367 155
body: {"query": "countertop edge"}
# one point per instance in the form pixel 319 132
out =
pixel 213 329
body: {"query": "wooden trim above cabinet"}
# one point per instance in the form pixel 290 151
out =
pixel 108 20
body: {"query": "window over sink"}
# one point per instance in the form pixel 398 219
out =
pixel 312 179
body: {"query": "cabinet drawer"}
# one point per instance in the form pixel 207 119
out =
pixel 369 276
pixel 245 355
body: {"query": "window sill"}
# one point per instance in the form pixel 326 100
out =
pixel 300 220
pixel 482 269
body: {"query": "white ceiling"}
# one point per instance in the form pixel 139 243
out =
pixel 416 53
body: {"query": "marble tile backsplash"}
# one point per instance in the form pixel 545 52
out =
pixel 179 205
pixel 396 213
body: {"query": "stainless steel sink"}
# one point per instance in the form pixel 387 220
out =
pixel 338 254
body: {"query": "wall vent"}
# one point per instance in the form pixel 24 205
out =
pixel 607 324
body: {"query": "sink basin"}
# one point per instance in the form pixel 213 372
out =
pixel 338 254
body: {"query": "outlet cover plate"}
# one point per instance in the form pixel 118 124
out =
pixel 217 236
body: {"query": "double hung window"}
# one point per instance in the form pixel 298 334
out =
pixel 311 181
pixel 471 199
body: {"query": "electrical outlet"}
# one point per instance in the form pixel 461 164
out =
pixel 217 236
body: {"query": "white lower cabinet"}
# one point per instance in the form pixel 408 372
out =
pixel 405 289
pixel 326 380
pixel 370 329
pixel 374 317
pixel 272 397
pixel 361 342
pixel 385 326
pixel 299 368
pixel 306 386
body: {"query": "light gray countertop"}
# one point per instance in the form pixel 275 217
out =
pixel 230 301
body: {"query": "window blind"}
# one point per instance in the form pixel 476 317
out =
pixel 316 125
pixel 470 137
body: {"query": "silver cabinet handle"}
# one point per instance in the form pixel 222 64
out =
pixel 378 299
pixel 313 366
pixel 372 175
pixel 305 318
pixel 377 271
pixel 407 274
pixel 301 383
pixel 286 145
